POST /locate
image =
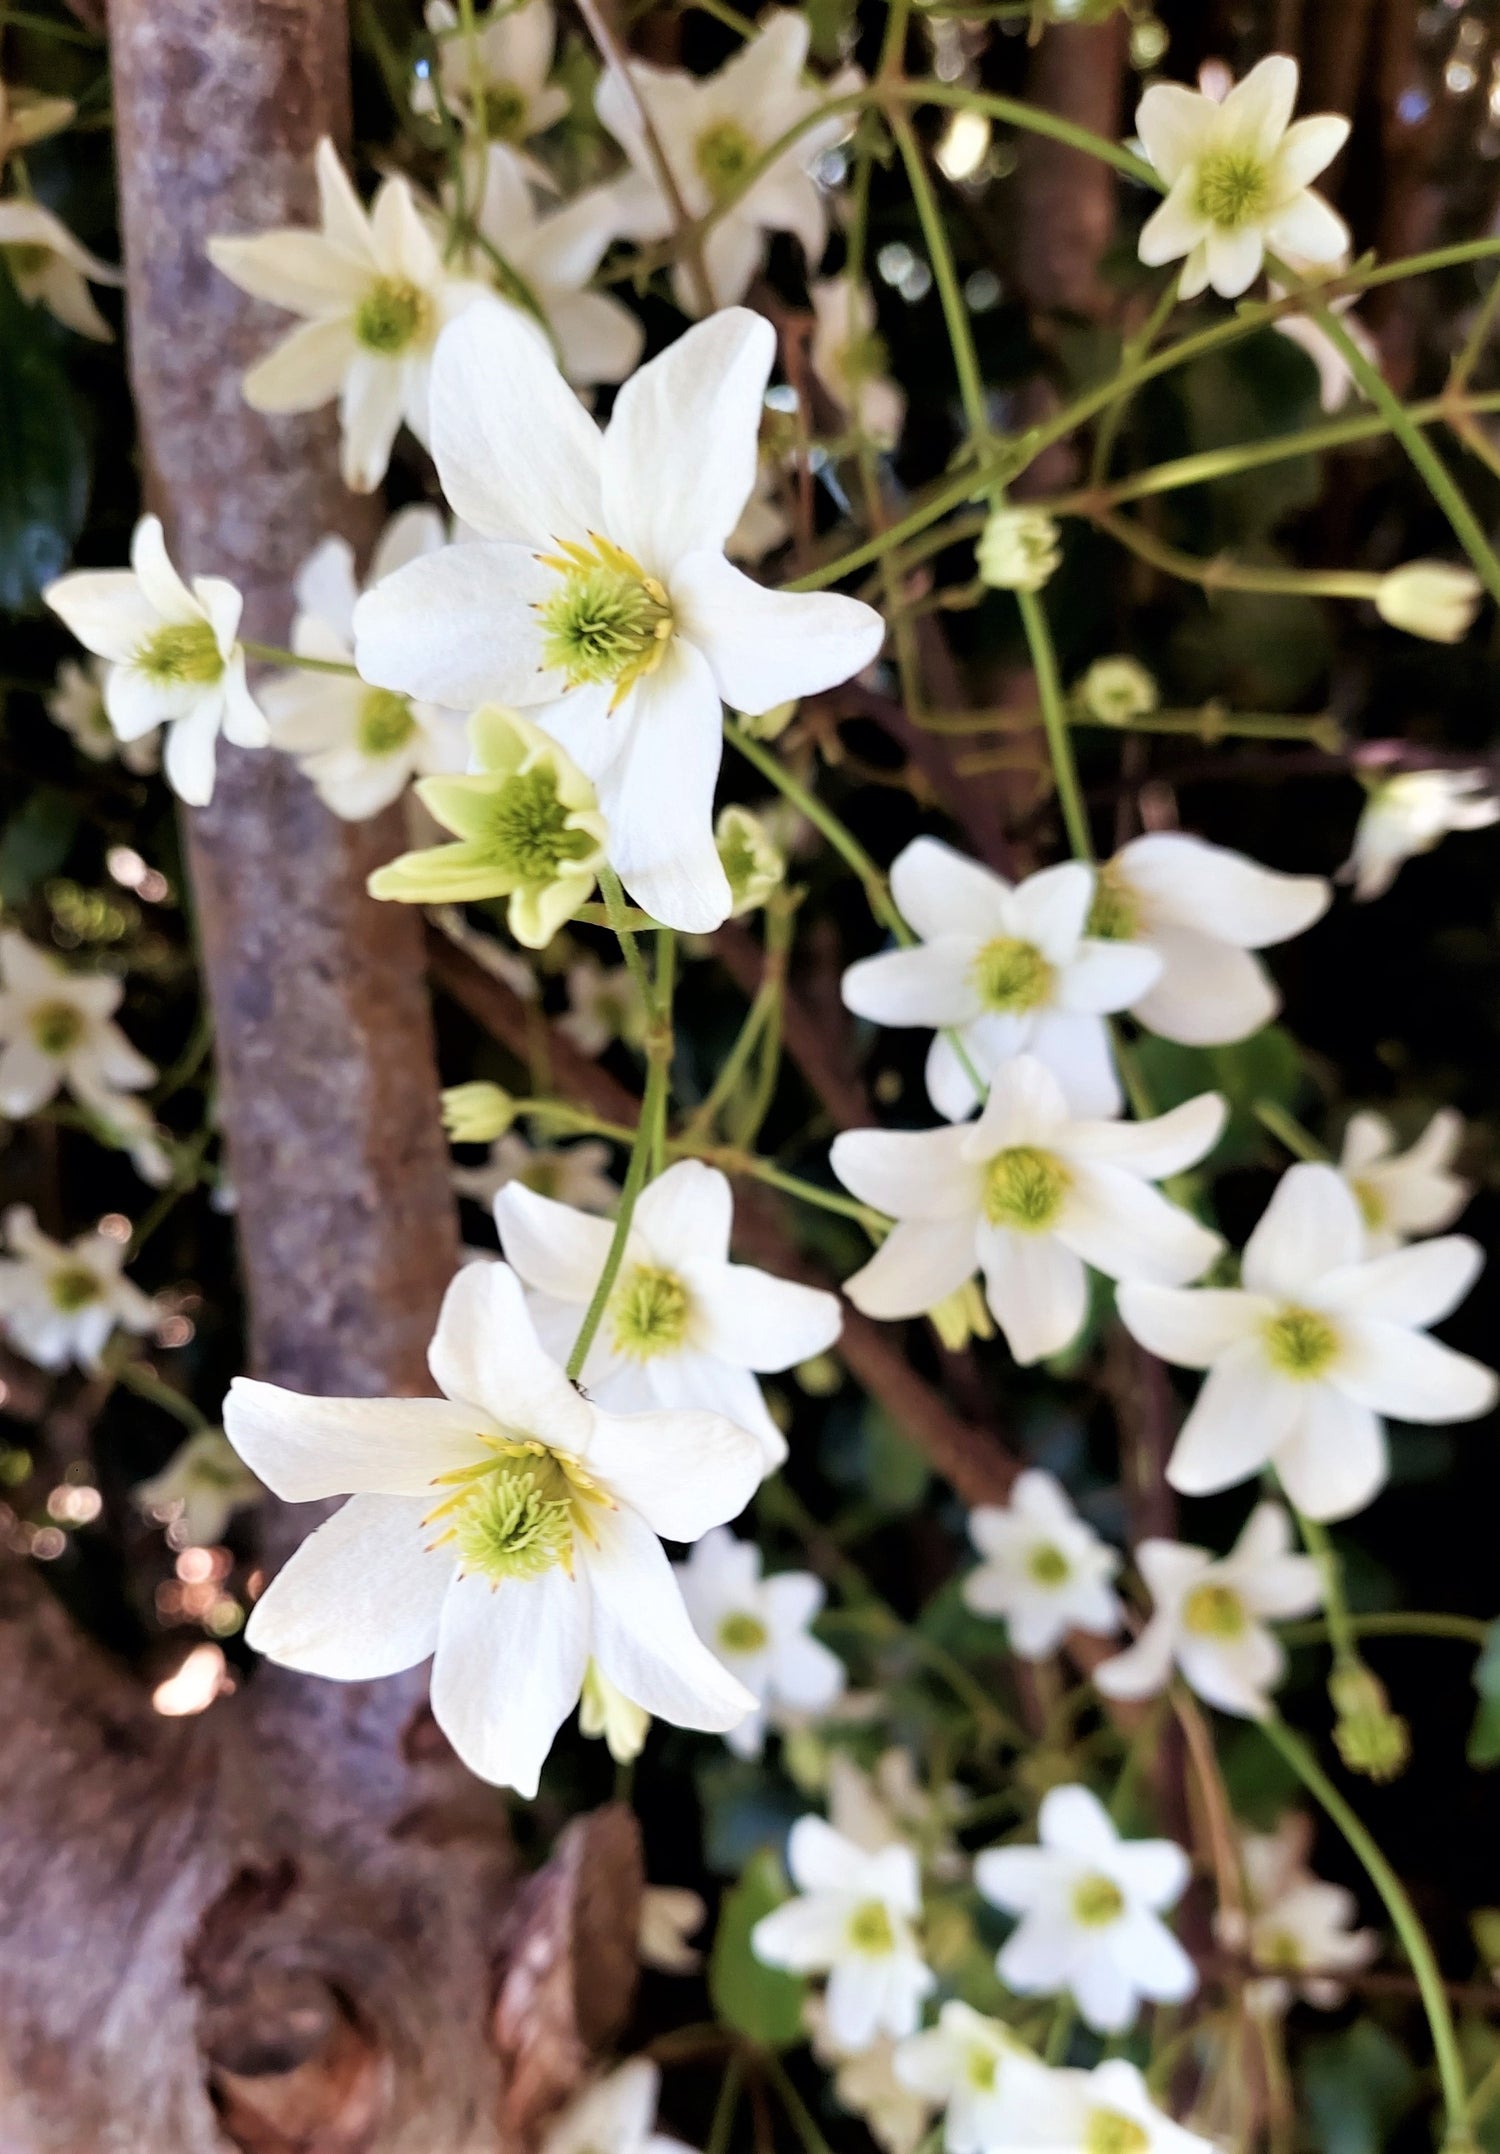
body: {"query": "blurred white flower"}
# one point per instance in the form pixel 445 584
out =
pixel 572 1174
pixel 76 703
pixel 56 1029
pixel 1335 377
pixel 670 1915
pixel 1404 1195
pixel 1410 814
pixel 174 657
pixel 1317 1344
pixel 49 265
pixel 201 1486
pixel 497 79
pixel 1018 550
pixel 1089 1905
pixel 1106 2111
pixel 59 1302
pixel 26 117
pixel 849 358
pixel 761 1629
pixel 1433 599
pixel 893 1802
pixel 763 526
pixel 1045 1571
pixel 615 2115
pixel 1302 1935
pixel 865 2084
pixel 130 1126
pixel 988 2085
pixel 604 1004
pixel 1210 1617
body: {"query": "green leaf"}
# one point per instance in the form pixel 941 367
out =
pixel 44 470
pixel 36 839
pixel 1267 1066
pixel 1357 2086
pixel 761 2003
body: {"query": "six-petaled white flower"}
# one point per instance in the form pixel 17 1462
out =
pixel 1089 1905
pixel 1031 1195
pixel 59 1302
pixel 1209 1616
pixel 598 599
pixel 853 1921
pixel 1316 1345
pixel 989 2087
pixel 1403 1195
pixel 57 1028
pixel 1238 175
pixel 509 1527
pixel 684 1326
pixel 497 79
pixel 1202 909
pixel 359 745
pixel 1301 1935
pixel 1045 1571
pixel 1410 814
pixel 374 295
pixel 1009 969
pixel 760 1629
pixel 200 1488
pixel 174 658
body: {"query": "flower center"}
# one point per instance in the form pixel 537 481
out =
pixel 871 1929
pixel 1012 975
pixel 741 1632
pixel 1278 1952
pixel 529 838
pixel 864 358
pixel 385 723
pixel 651 1312
pixel 1046 1564
pixel 516 1514
pixel 723 154
pixel 392 313
pixel 26 258
pixel 982 2070
pixel 1301 1343
pixel 1097 1901
pixel 610 621
pixel 56 1027
pixel 1115 915
pixel 504 112
pixel 73 1286
pixel 1213 1611
pixel 180 654
pixel 1024 1189
pixel 1372 1205
pixel 1233 187
pixel 1108 2131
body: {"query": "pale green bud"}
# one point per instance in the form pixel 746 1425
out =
pixel 1116 690
pixel 603 1710
pixel 477 1113
pixel 753 862
pixel 1018 550
pixel 771 724
pixel 1430 598
pixel 1370 1738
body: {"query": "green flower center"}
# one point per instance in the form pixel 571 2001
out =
pixel 1047 1565
pixel 1233 188
pixel 1214 1611
pixel 26 258
pixel 503 110
pixel 651 1312
pixel 392 314
pixel 1372 1205
pixel 863 358
pixel 1024 1189
pixel 385 723
pixel 871 1929
pixel 1301 1343
pixel 182 653
pixel 982 2070
pixel 739 860
pixel 741 1632
pixel 1097 1901
pixel 1012 975
pixel 529 838
pixel 609 621
pixel 723 154
pixel 73 1286
pixel 1115 915
pixel 1110 2132
pixel 1278 1952
pixel 56 1027
pixel 516 1514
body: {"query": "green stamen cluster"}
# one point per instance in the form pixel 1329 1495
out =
pixel 1110 2132
pixel 610 621
pixel 723 154
pixel 514 1518
pixel 651 1312
pixel 73 1286
pixel 1212 1611
pixel 1115 915
pixel 1097 1901
pixel 391 315
pixel 183 653
pixel 529 838
pixel 56 1027
pixel 871 1929
pixel 1012 975
pixel 982 2070
pixel 1233 188
pixel 503 111
pixel 1372 1206
pixel 1301 1343
pixel 1024 1189
pixel 385 723
pixel 1047 1564
pixel 741 1632
pixel 1278 1952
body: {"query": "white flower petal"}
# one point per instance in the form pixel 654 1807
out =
pixel 1209 992
pixel 908 1173
pixel 1107 976
pixel 1191 1329
pixel 508 1671
pixel 1190 883
pixel 1175 228
pixel 1173 123
pixel 295 270
pixel 1127 1229
pixel 643 1641
pixel 1240 1418
pixel 1420 1285
pixel 485 1352
pixel 658 796
pixel 685 1216
pixel 1311 1227
pixel 304 1448
pixel 683 1472
pixel 1258 110
pixel 1411 1377
pixel 305 369
pixel 1334 1460
pixel 1075 1046
pixel 1307 148
pixel 106 609
pixel 1144 1669
pixel 1037 1291
pixel 459 628
pixel 361 1596
pixel 920 1263
pixel 757 1321
pixel 929 984
pixel 768 647
pixel 940 892
pixel 554 1248
pixel 1167 1144
pixel 1309 229
pixel 517 454
pixel 372 404
pixel 191 754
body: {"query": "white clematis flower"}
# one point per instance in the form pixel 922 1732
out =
pixel 56 1029
pixel 498 79
pixel 987 2084
pixel 374 295
pixel 599 600
pixel 1105 2111
pixel 760 1629
pixel 1301 1934
pixel 853 1920
pixel 1410 814
pixel 605 1003
pixel 1202 909
pixel 711 130
pixel 510 1528
pixel 1045 1571
pixel 1089 1904
pixel 616 2115
pixel 1030 1195
pixel 26 117
pixel 1008 968
pixel 76 703
pixel 59 1302
pixel 174 658
pixel 865 2084
pixel 1237 174
pixel 1317 1345
pixel 849 358
pixel 49 265
pixel 1404 1195
pixel 684 1326
pixel 1209 1617
pixel 670 1915
pixel 360 746
pixel 572 1174
pixel 200 1488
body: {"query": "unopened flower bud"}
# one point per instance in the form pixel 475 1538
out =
pixel 1018 550
pixel 1430 598
pixel 752 860
pixel 477 1113
pixel 962 1316
pixel 603 1710
pixel 1116 690
pixel 1370 1738
pixel 771 724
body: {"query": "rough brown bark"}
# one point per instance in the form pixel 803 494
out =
pixel 1066 210
pixel 292 1925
